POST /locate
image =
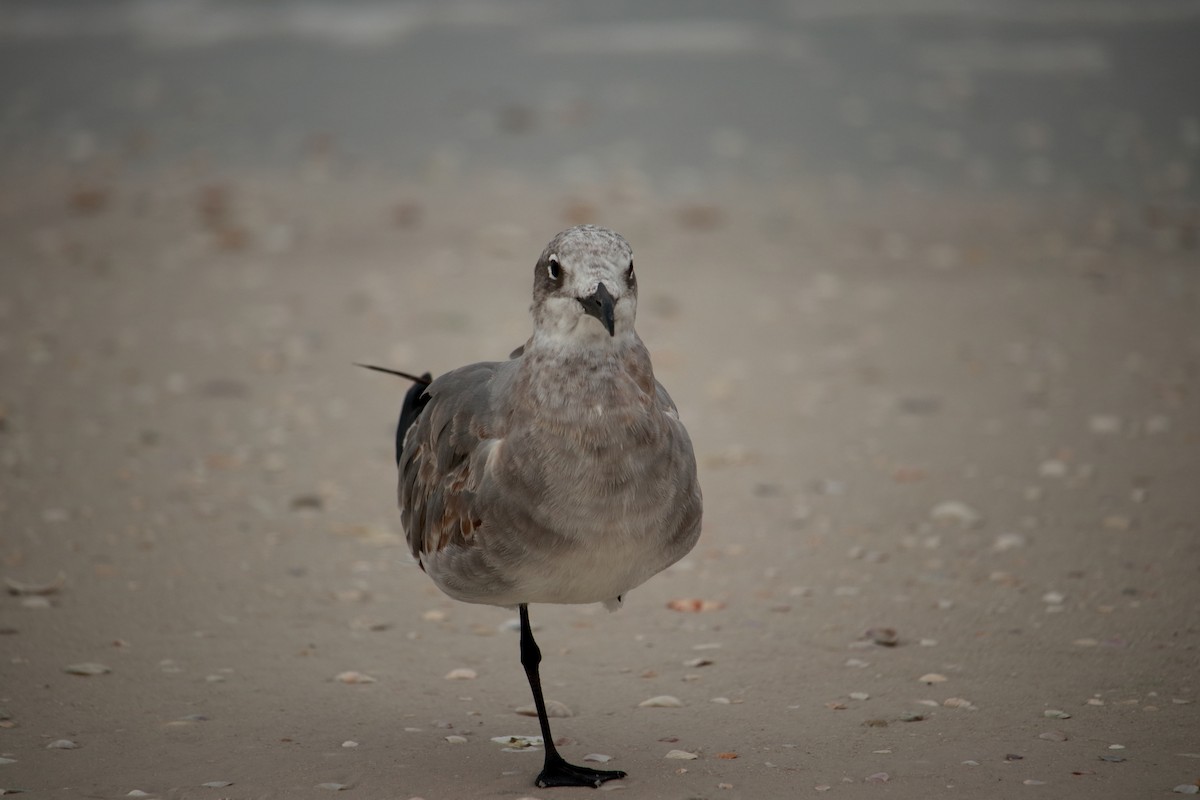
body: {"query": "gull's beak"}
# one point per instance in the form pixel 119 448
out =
pixel 600 305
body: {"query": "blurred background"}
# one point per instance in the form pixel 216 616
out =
pixel 1064 96
pixel 921 275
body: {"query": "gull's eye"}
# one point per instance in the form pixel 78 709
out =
pixel 554 269
pixel 629 272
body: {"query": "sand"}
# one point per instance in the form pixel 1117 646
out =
pixel 968 419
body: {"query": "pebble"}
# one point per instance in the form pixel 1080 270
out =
pixel 932 677
pixel 857 663
pixel 87 668
pixel 859 696
pixel 959 702
pixel 599 758
pixel 911 716
pixel 682 755
pixel 1187 788
pixel 333 787
pixel 878 777
pixel 456 739
pixel 1053 736
pixel 349 743
pixel 462 674
pixel 1032 782
pixel 698 662
pixel 62 744
pixel 353 677
pixel 1116 747
pixel 217 784
pixel 662 701
pixel 1054 713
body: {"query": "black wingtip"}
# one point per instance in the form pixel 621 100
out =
pixel 414 402
pixel 423 380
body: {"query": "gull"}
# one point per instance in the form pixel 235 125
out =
pixel 562 475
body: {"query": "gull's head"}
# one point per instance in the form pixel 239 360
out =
pixel 584 288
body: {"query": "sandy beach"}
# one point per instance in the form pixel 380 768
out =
pixel 948 436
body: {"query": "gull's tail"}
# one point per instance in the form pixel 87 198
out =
pixel 414 400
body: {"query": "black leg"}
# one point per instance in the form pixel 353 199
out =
pixel 555 771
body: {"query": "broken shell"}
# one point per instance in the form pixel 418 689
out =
pixel 62 744
pixel 884 637
pixel 957 512
pixel 87 668
pixel 16 587
pixel 682 755
pixel 695 605
pixel 553 709
pixel 353 677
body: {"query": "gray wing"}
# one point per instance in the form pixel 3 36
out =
pixel 444 458
pixel 667 404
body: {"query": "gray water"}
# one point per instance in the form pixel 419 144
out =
pixel 1084 96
